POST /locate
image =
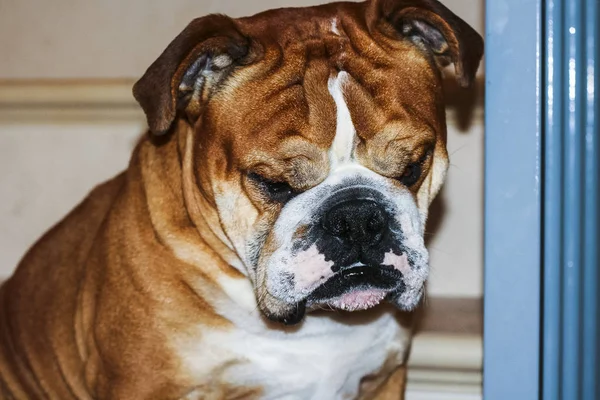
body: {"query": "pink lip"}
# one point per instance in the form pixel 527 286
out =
pixel 359 299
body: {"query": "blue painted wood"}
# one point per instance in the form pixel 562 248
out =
pixel 591 276
pixel 572 63
pixel 512 301
pixel 553 192
pixel 571 238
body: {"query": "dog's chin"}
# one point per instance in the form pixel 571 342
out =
pixel 353 289
pixel 280 311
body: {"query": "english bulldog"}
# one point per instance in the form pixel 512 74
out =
pixel 267 235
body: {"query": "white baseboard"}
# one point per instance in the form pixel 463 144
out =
pixel 445 367
pixel 443 395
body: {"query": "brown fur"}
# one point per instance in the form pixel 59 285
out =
pixel 93 304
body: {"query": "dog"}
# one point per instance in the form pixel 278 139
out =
pixel 288 169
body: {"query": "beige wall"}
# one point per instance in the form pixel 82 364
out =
pixel 47 167
pixel 117 38
pixel 46 170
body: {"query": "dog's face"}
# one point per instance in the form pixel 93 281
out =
pixel 319 141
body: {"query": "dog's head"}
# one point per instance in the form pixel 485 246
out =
pixel 319 141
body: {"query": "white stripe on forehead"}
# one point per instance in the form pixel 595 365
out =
pixel 342 148
pixel 334 27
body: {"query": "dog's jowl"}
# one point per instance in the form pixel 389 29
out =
pixel 289 166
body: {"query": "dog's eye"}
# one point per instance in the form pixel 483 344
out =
pixel 280 192
pixel 411 174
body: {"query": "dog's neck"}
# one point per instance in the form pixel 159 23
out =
pixel 192 231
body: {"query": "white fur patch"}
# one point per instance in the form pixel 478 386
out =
pixel 239 290
pixel 342 148
pixel 324 359
pixel 222 61
pixel 334 26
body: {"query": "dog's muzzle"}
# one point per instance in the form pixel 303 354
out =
pixel 355 233
pixel 349 246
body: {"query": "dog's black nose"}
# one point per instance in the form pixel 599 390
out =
pixel 356 221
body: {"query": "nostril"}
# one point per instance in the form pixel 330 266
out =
pixel 376 221
pixel 335 223
pixel 339 227
pixel 373 225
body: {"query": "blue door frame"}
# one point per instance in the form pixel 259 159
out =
pixel 541 333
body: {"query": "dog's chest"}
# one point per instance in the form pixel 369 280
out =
pixel 324 359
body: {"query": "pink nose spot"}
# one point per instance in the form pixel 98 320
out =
pixel 398 262
pixel 311 268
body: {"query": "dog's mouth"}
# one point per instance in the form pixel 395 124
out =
pixel 357 288
pixel 354 288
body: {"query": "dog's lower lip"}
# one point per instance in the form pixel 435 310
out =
pixel 359 277
pixel 359 299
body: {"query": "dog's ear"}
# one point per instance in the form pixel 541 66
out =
pixel 190 69
pixel 433 27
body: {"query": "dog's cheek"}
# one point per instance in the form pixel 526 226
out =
pixel 290 269
pixel 434 181
pixel 263 260
pixel 238 217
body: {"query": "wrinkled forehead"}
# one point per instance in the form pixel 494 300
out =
pixel 322 70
